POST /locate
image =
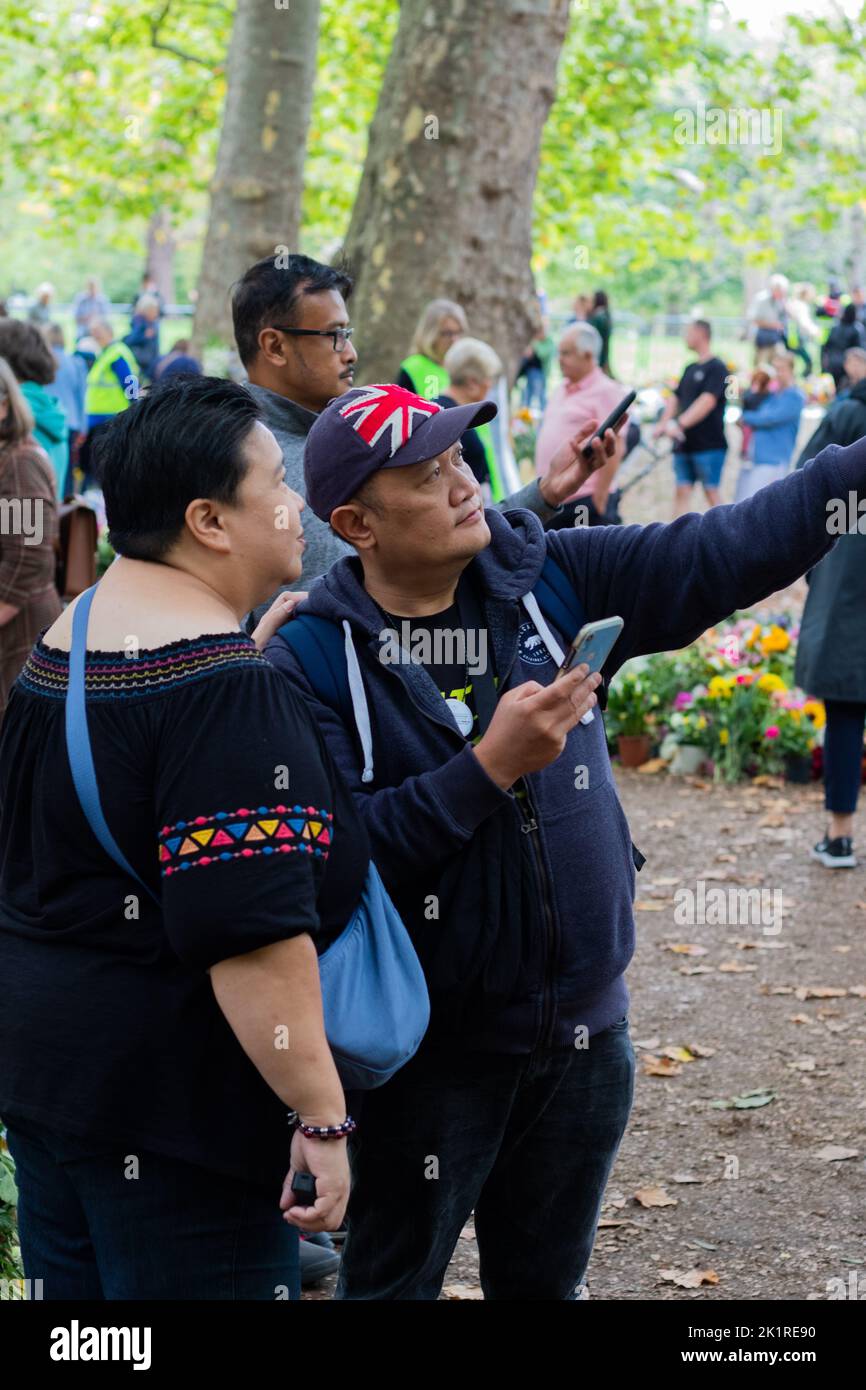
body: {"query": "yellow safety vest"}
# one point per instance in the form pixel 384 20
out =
pixel 105 395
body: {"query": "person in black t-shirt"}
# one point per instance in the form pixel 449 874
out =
pixel 694 418
pixel 164 1038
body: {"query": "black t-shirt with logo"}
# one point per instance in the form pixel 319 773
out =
pixel 697 378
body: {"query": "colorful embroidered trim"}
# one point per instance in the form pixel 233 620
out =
pixel 108 675
pixel 242 834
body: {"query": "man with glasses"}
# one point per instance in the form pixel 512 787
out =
pixel 292 330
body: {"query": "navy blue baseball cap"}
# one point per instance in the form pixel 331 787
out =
pixel 373 427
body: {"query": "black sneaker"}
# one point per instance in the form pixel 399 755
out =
pixel 318 1259
pixel 835 854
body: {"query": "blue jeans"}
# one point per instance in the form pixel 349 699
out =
pixel 175 1231
pixel 528 1143
pixel 704 467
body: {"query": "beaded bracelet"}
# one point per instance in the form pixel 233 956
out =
pixel 322 1131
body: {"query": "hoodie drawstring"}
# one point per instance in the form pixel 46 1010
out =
pixel 360 708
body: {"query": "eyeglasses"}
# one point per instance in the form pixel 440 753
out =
pixel 339 336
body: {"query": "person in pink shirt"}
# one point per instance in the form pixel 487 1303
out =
pixel 586 393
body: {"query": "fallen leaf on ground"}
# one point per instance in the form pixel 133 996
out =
pixel 799 1018
pixel 652 765
pixel 832 1153
pixel 819 992
pixel 767 779
pixel 663 824
pixel 647 905
pixel 685 1177
pixel 696 970
pixel 684 948
pixel 677 1054
pixel 690 1278
pixel 752 1100
pixel 803 1064
pixel 733 967
pixel 462 1291
pixel 859 991
pixel 654 1197
pixel 723 858
pixel 702 1051
pixel 666 882
pixel 660 1066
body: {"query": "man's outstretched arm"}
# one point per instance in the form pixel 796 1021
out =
pixel 671 582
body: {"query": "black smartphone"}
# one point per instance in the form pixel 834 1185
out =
pixel 610 422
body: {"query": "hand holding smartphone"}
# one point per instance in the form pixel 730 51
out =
pixel 592 645
pixel 610 423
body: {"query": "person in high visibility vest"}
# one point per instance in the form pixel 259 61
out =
pixel 440 325
pixel 112 383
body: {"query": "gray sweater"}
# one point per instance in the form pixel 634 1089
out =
pixel 290 424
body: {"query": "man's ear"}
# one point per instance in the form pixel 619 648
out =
pixel 351 523
pixel 271 347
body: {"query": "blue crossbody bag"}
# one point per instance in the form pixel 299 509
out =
pixel 374 996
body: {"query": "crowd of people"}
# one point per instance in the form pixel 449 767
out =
pixel 274 539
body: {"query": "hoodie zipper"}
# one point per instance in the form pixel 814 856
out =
pixel 529 827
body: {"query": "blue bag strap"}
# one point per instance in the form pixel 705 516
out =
pixel 78 743
pixel 319 647
pixel 557 599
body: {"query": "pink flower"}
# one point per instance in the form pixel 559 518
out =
pixel 683 699
pixel 772 731
pixel 743 678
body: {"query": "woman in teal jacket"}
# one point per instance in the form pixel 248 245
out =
pixel 34 366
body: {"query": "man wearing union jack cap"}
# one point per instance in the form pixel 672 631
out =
pixel 494 820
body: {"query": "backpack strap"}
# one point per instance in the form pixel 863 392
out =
pixel 78 747
pixel 557 599
pixel 320 650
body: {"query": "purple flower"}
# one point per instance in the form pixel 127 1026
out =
pixel 683 699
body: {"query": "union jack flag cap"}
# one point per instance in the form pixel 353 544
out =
pixel 373 427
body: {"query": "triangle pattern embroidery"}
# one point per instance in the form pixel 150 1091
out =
pixel 316 827
pixel 284 833
pixel 268 826
pixel 238 829
pixel 255 834
pixel 203 837
pixel 189 847
pixel 221 838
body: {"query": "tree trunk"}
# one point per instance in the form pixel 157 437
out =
pixel 445 201
pixel 160 254
pixel 256 190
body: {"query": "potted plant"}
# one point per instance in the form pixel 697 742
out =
pixel 629 718
pixel 794 740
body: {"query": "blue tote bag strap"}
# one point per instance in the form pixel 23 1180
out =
pixel 78 742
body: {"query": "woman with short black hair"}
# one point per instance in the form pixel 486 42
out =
pixel 153 1041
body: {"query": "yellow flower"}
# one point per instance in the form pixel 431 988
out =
pixel 723 736
pixel 720 687
pixel 815 710
pixel 770 682
pixel 754 636
pixel 701 723
pixel 776 640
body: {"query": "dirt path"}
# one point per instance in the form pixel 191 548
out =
pixel 786 1219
